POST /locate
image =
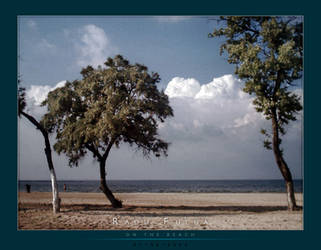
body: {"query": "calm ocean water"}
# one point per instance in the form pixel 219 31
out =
pixel 159 186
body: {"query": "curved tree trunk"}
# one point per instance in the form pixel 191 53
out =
pixel 54 185
pixel 285 171
pixel 103 186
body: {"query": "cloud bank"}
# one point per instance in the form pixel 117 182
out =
pixel 214 134
pixel 219 104
pixel 216 127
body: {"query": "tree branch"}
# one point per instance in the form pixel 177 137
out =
pixel 35 122
pixel 94 151
pixel 111 143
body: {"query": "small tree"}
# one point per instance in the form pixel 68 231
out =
pixel 268 54
pixel 108 106
pixel 54 185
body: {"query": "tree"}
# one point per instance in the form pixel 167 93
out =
pixel 119 103
pixel 44 132
pixel 268 55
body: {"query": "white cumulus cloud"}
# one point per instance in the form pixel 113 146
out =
pixel 35 95
pixel 226 86
pixel 210 110
pixel 181 87
pixel 216 125
pixel 38 93
pixel 93 46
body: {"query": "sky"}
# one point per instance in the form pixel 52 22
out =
pixel 214 133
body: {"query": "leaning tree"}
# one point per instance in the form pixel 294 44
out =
pixel 268 53
pixel 45 134
pixel 119 103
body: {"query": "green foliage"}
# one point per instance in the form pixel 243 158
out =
pixel 108 106
pixel 268 54
pixel 21 100
pixel 267 144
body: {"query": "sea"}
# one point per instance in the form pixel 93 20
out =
pixel 167 186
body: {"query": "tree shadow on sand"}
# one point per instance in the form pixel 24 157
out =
pixel 149 210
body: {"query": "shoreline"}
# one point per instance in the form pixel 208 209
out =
pixel 161 211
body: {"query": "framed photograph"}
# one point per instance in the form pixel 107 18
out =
pixel 163 130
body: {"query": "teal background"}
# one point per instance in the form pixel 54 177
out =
pixel 11 237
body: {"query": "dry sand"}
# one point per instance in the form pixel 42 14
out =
pixel 162 211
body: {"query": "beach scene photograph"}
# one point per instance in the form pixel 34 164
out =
pixel 160 123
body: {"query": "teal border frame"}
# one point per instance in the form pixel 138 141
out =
pixel 11 237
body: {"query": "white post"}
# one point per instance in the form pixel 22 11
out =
pixel 55 193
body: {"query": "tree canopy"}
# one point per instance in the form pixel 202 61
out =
pixel 109 105
pixel 268 53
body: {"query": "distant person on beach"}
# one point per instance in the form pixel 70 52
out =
pixel 28 187
pixel 65 187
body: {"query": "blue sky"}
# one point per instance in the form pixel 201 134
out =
pixel 169 46
pixel 215 130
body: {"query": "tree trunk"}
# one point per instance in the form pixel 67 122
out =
pixel 103 186
pixel 285 171
pixel 54 185
pixel 55 193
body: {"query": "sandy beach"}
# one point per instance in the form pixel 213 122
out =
pixel 161 211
